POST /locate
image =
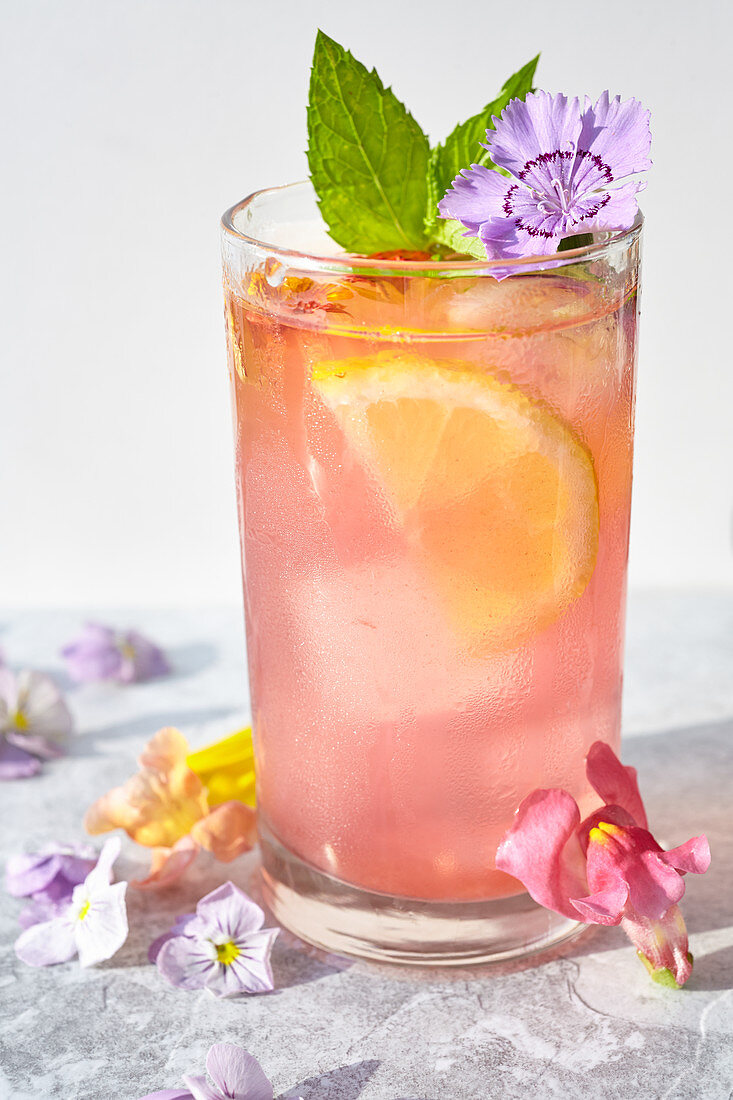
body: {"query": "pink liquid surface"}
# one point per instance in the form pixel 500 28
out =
pixel 389 754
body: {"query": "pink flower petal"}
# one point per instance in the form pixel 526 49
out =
pixel 227 831
pixel 237 1074
pixel 614 782
pixel 47 943
pixel 542 850
pixel 168 864
pixel 693 856
pixel 605 906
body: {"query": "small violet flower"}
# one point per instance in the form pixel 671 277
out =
pixel 34 722
pixel 570 171
pixel 166 807
pixel 221 947
pixel 48 878
pixel 234 1074
pixel 93 925
pixel 101 653
pixel 607 869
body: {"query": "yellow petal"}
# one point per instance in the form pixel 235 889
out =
pixel 227 769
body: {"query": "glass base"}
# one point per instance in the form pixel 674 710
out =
pixel 348 920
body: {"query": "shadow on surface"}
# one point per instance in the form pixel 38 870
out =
pixel 345 1083
pixel 144 728
pixel 186 660
pixel 713 971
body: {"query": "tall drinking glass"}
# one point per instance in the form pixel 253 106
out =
pixel 434 482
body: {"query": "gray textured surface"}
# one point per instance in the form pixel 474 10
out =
pixel 585 1022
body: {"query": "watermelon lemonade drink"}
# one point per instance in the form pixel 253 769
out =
pixel 434 478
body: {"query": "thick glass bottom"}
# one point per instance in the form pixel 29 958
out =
pixel 348 920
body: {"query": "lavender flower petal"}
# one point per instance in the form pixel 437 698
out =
pixel 476 195
pixel 169 1094
pixel 54 871
pixel 179 928
pixel 237 1073
pixel 47 943
pixel 148 660
pixel 186 962
pixel 94 655
pixel 201 1089
pixel 15 763
pixel 228 911
pixel 540 124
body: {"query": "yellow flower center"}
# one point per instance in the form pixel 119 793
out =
pixel 127 651
pixel 84 909
pixel 603 833
pixel 19 720
pixel 226 953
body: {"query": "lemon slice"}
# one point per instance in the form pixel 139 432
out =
pixel 496 496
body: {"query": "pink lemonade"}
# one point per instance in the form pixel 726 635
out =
pixel 434 482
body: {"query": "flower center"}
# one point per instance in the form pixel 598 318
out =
pixel 127 651
pixel 19 720
pixel 84 910
pixel 226 953
pixel 603 833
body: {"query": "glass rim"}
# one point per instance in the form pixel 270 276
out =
pixel 371 265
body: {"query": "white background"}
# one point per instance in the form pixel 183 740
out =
pixel 127 128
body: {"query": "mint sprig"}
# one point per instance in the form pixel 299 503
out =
pixel 368 158
pixel 376 178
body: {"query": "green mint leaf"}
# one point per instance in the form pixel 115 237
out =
pixel 462 147
pixel 367 156
pixel 449 233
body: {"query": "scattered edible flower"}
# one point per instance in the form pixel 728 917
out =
pixel 221 947
pixel 93 925
pixel 570 171
pixel 34 722
pixel 227 769
pixel 607 869
pixel 53 872
pixel 234 1075
pixel 102 653
pixel 165 807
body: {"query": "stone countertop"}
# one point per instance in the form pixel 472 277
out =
pixel 584 1021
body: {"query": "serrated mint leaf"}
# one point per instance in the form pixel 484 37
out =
pixel 450 233
pixel 367 156
pixel 462 147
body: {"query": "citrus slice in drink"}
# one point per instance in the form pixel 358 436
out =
pixel 495 495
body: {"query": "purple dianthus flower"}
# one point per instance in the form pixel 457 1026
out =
pixel 570 171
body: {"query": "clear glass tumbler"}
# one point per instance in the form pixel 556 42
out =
pixel 434 483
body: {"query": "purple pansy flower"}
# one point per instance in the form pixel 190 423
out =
pixel 93 925
pixel 221 947
pixel 48 878
pixel 102 653
pixel 34 722
pixel 234 1074
pixel 570 171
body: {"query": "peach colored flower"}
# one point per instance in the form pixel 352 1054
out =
pixel 165 806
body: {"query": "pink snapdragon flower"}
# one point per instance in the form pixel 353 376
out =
pixel 607 869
